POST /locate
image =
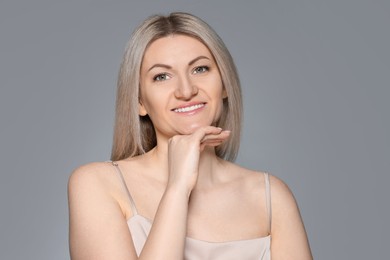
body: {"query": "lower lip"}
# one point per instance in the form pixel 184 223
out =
pixel 192 112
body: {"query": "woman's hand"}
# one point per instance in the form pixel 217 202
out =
pixel 184 153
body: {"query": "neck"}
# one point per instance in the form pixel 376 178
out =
pixel 209 164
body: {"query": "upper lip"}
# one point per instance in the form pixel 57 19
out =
pixel 188 105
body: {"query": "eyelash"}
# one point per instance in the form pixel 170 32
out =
pixel 205 68
pixel 195 71
pixel 156 78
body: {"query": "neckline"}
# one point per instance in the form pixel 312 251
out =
pixel 149 221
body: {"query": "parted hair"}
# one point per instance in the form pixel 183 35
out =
pixel 134 134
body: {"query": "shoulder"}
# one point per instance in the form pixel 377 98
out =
pixel 91 178
pixel 282 196
pixel 238 172
pixel 289 239
pixel 246 181
pixel 280 192
pixel 95 211
pixel 94 186
pixel 94 171
pixel 286 217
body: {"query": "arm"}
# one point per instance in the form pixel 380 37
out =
pixel 167 236
pixel 97 228
pixel 99 231
pixel 289 240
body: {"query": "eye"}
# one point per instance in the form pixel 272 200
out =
pixel 200 69
pixel 161 77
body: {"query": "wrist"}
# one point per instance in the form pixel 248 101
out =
pixel 179 191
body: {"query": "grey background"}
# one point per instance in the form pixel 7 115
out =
pixel 315 77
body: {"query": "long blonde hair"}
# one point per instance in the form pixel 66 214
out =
pixel 135 135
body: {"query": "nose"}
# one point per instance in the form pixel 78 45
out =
pixel 185 88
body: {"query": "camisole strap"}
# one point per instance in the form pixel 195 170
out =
pixel 268 200
pixel 132 204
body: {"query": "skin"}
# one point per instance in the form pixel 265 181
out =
pixel 191 191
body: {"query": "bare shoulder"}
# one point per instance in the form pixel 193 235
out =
pixel 94 180
pixel 95 214
pixel 287 228
pixel 281 193
pixel 279 189
pixel 282 200
pixel 289 239
pixel 92 168
pixel 92 175
pixel 244 175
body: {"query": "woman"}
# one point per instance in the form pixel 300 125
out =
pixel 171 190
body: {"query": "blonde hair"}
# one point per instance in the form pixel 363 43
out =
pixel 134 134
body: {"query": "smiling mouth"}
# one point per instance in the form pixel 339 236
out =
pixel 189 108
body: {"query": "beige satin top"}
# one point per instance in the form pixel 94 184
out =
pixel 250 249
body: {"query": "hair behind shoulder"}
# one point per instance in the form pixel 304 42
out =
pixel 134 134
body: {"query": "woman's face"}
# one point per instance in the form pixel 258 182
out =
pixel 181 87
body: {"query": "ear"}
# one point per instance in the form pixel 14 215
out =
pixel 224 93
pixel 141 109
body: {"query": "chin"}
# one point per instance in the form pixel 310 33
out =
pixel 192 128
pixel 189 130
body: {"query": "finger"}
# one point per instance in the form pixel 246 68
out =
pixel 215 141
pixel 223 135
pixel 200 133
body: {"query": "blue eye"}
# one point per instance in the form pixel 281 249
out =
pixel 201 69
pixel 161 77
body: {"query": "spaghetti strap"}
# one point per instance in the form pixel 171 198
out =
pixel 268 200
pixel 132 204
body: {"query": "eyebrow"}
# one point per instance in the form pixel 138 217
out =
pixel 197 58
pixel 169 67
pixel 159 65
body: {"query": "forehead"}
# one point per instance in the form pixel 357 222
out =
pixel 175 48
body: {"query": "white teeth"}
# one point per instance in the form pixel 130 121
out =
pixel 188 109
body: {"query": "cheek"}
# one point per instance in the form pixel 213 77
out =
pixel 219 96
pixel 146 97
pixel 219 91
pixel 154 104
pixel 148 104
